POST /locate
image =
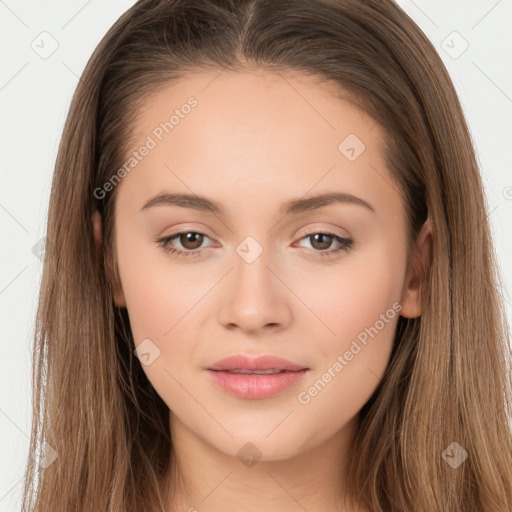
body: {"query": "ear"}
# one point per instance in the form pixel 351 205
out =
pixel 119 298
pixel 421 259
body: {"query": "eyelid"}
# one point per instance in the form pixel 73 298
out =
pixel 322 229
pixel 188 228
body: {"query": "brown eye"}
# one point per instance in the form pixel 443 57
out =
pixel 191 240
pixel 322 241
pixel 183 243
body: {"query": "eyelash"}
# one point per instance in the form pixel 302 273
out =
pixel 346 243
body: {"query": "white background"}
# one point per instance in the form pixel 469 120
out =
pixel 35 94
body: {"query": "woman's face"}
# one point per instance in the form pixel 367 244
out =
pixel 266 269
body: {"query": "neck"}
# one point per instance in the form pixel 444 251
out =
pixel 208 479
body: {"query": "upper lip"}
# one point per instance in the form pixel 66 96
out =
pixel 267 362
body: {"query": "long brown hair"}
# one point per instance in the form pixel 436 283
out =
pixel 449 378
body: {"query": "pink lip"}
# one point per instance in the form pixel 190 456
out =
pixel 254 386
pixel 241 362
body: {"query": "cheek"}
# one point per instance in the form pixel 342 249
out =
pixel 351 296
pixel 157 292
pixel 359 307
pixel 163 301
pixel 160 301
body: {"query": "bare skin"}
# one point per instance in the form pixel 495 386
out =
pixel 252 143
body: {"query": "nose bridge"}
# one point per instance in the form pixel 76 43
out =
pixel 251 273
pixel 255 297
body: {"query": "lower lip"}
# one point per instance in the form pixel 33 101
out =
pixel 254 386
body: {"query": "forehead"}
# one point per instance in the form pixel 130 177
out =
pixel 257 134
pixel 249 103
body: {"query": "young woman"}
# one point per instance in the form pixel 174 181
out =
pixel 271 282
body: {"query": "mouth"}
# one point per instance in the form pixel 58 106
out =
pixel 267 363
pixel 255 378
pixel 253 372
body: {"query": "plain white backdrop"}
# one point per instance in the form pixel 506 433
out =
pixel 46 45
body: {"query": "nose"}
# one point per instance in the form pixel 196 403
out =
pixel 254 298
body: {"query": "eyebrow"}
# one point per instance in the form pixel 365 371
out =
pixel 292 207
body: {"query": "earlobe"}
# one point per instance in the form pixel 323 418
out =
pixel 118 298
pixel 422 258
